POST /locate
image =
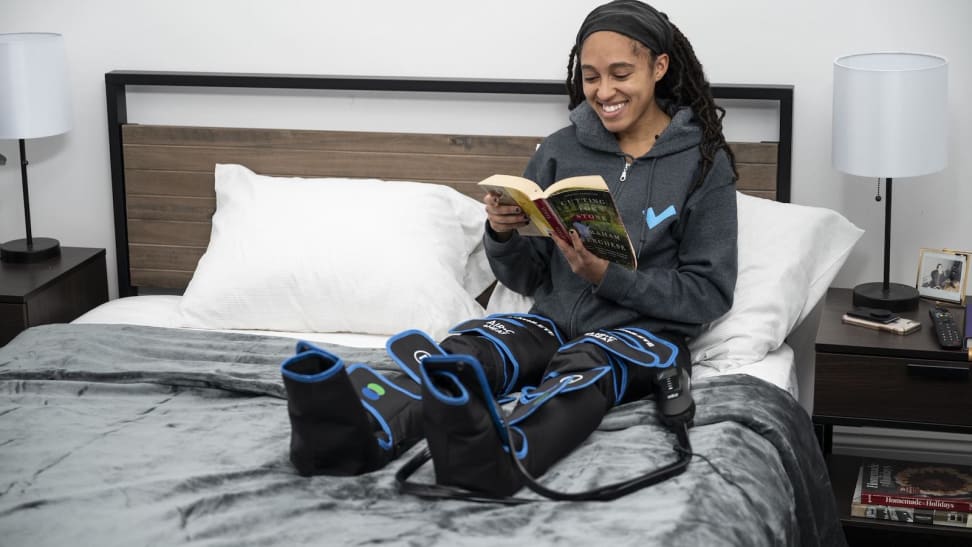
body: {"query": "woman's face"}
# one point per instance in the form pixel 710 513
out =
pixel 619 81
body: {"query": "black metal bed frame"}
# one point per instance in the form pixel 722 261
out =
pixel 117 82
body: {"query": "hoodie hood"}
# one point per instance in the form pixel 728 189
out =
pixel 681 134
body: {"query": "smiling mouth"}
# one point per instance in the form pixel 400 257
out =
pixel 611 109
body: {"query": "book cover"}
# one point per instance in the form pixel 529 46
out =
pixel 583 204
pixel 915 485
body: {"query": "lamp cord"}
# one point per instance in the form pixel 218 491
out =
pixel 23 178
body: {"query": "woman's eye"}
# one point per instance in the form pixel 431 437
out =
pixel 622 76
pixel 590 79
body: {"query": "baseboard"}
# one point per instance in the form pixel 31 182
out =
pixel 904 444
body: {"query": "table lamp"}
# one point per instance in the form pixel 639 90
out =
pixel 889 121
pixel 34 102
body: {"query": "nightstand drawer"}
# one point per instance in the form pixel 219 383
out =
pixel 883 388
pixel 51 291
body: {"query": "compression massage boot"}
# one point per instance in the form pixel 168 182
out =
pixel 468 437
pixel 464 426
pixel 470 441
pixel 347 420
pixel 498 355
pixel 513 349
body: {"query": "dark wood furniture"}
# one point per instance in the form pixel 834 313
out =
pixel 871 378
pixel 53 291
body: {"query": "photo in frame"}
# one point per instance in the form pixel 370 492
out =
pixel 943 274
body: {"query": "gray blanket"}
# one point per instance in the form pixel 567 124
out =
pixel 125 435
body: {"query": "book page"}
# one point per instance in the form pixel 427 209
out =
pixel 523 185
pixel 593 182
pixel 518 191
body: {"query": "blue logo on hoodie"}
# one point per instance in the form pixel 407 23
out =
pixel 654 220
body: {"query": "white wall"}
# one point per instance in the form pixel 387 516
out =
pixel 742 41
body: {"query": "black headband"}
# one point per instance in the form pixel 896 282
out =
pixel 633 19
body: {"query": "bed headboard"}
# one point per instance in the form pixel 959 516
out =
pixel 163 183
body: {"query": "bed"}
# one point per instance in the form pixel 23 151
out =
pixel 160 417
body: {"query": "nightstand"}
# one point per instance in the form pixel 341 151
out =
pixel 866 377
pixel 53 291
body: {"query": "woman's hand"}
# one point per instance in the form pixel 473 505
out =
pixel 503 219
pixel 582 262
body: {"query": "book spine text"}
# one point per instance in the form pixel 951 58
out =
pixel 916 502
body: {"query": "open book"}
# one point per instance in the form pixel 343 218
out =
pixel 583 204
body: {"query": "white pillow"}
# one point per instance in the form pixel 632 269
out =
pixel 337 255
pixel 788 256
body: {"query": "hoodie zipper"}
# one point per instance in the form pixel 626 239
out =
pixel 628 160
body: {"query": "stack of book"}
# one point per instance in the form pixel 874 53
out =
pixel 920 493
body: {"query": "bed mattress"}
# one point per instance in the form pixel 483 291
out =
pixel 777 368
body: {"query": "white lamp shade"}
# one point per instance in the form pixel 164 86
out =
pixel 34 92
pixel 890 114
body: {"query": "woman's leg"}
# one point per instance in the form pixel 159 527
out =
pixel 467 437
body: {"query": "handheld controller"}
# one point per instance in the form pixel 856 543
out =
pixel 946 330
pixel 673 392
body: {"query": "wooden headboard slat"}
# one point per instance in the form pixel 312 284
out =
pixel 166 257
pixel 160 279
pixel 756 177
pixel 755 152
pixel 170 183
pixel 316 163
pixel 193 184
pixel 172 208
pixel 135 134
pixel 169 232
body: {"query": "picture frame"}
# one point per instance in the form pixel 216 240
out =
pixel 943 275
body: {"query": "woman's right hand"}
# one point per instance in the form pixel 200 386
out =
pixel 503 219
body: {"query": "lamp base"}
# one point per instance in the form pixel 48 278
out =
pixel 19 251
pixel 898 297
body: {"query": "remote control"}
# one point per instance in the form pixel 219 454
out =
pixel 946 330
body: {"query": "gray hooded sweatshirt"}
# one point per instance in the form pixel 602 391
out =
pixel 685 239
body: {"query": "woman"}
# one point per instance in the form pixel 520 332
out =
pixel 642 116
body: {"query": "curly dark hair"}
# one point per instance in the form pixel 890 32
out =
pixel 684 85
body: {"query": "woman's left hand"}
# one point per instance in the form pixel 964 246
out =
pixel 582 262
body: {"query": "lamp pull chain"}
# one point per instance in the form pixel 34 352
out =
pixel 877 197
